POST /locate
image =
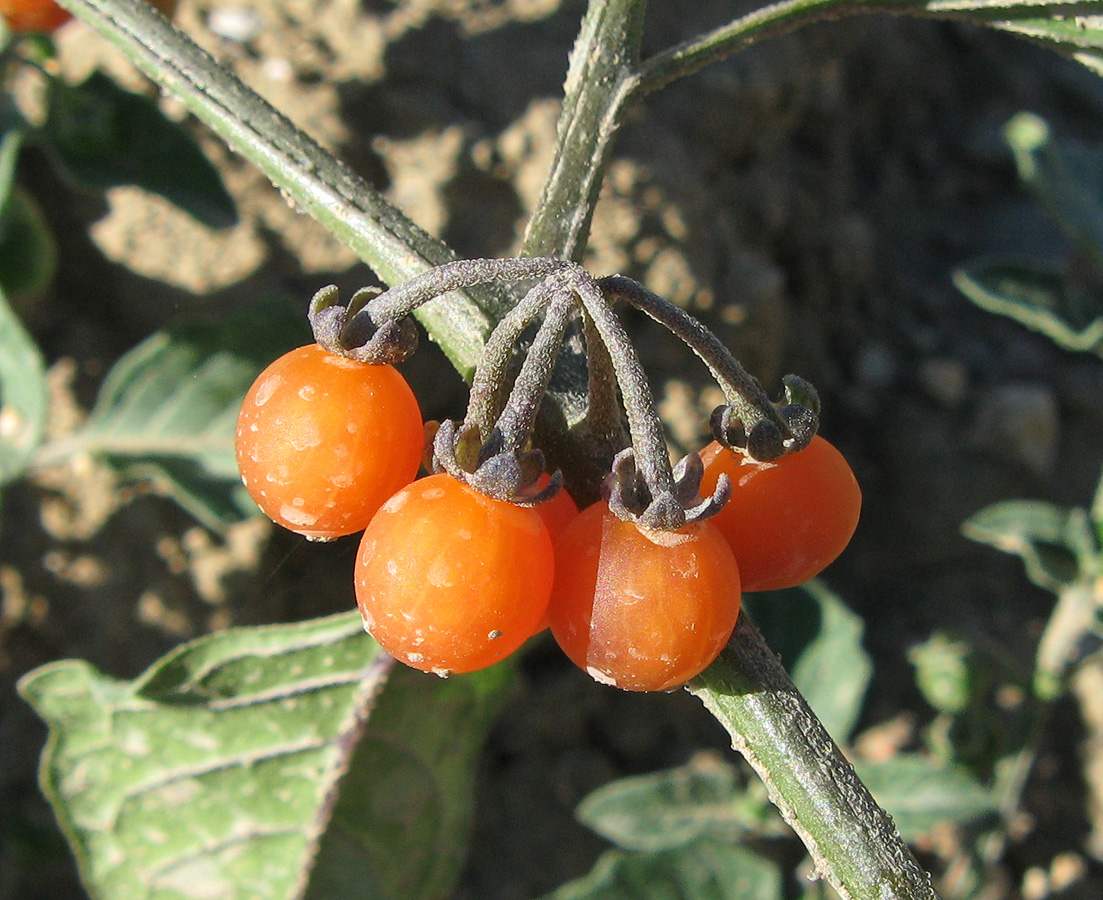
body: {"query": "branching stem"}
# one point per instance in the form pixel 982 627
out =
pixel 644 425
pixel 519 417
pixel 486 399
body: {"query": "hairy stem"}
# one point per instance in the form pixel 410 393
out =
pixel 599 80
pixel 485 400
pixel 519 417
pixel 648 439
pixel 411 295
pixel 852 841
pixel 741 390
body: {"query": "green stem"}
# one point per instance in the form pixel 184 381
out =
pixel 600 77
pixel 338 198
pixel 606 78
pixel 851 840
pixel 765 22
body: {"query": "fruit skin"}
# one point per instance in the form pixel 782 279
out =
pixel 449 580
pixel 787 520
pixel 33 16
pixel 642 611
pixel 45 16
pixel 558 512
pixel 323 441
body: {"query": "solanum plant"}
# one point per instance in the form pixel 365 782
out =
pixel 275 717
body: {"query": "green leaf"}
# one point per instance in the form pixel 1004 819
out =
pixel 212 774
pixel 942 672
pixel 811 629
pixel 400 827
pixel 672 808
pixel 1063 25
pixel 12 134
pixel 168 409
pixel 703 870
pixel 1071 633
pixel 28 252
pixel 24 398
pixel 1065 175
pixel 1060 552
pixel 105 137
pixel 1037 296
pixel 919 793
pixel 208 775
pixel 1052 542
pixel 1095 512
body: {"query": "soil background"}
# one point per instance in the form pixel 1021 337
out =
pixel 808 199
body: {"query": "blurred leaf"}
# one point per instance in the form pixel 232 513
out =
pixel 942 672
pixel 1095 513
pixel 1035 296
pixel 168 409
pixel 28 253
pixel 24 398
pixel 1071 633
pixel 400 827
pixel 811 629
pixel 211 775
pixel 1051 541
pixel 672 808
pixel 106 137
pixel 1060 553
pixel 919 793
pixel 704 870
pixel 1065 175
pixel 39 47
pixel 12 133
pixel 1065 29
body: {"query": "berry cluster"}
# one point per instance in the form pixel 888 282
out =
pixel 456 570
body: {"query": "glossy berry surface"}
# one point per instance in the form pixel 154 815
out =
pixel 642 611
pixel 449 580
pixel 323 441
pixel 786 520
pixel 558 512
pixel 33 16
pixel 45 16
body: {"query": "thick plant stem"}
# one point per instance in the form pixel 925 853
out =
pixel 601 74
pixel 852 841
pixel 311 177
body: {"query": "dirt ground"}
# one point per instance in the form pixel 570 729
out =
pixel 808 199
